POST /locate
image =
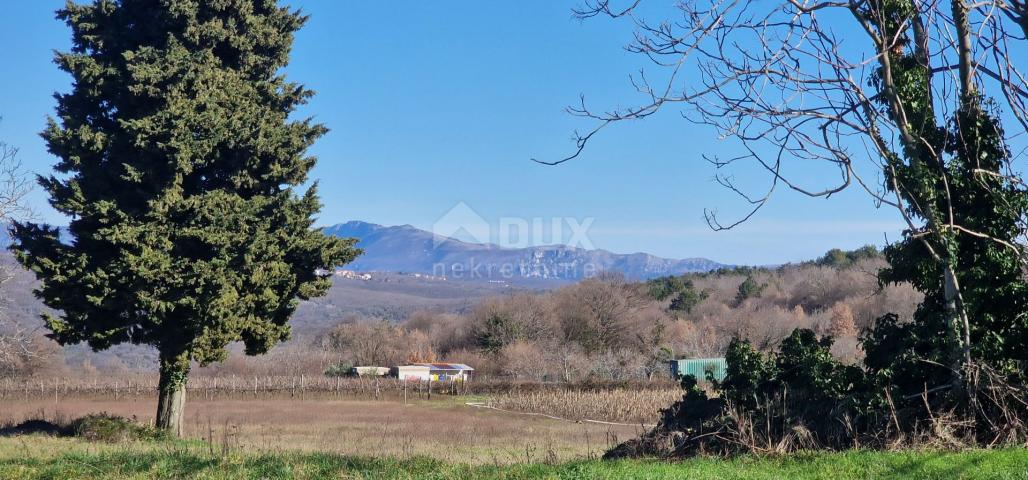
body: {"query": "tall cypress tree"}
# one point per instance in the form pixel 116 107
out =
pixel 178 162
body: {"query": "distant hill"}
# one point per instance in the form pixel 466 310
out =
pixel 406 249
pixel 389 296
pixel 412 250
pixel 406 263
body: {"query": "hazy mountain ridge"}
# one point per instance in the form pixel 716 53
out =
pixel 409 249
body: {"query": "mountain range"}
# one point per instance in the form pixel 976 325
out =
pixel 407 249
pixel 411 250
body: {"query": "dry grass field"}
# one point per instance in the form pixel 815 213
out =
pixel 621 405
pixel 443 428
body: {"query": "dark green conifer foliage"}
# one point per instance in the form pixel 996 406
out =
pixel 749 288
pixel 683 294
pixel 178 163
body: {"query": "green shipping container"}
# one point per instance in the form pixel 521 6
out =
pixel 699 367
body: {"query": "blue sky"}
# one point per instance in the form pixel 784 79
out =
pixel 435 103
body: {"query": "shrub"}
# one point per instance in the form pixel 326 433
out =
pixel 339 369
pixel 107 428
pixel 768 402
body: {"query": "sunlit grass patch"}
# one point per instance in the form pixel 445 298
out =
pixel 30 458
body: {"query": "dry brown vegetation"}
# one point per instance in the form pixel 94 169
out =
pixel 621 405
pixel 611 329
pixel 24 351
pixel 443 428
pixel 621 402
pixel 603 328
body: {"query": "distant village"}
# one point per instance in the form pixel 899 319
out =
pixel 352 275
pixel 365 276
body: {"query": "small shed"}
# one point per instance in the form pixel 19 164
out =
pixel 698 367
pixel 448 372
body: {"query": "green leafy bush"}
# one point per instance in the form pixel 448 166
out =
pixel 339 369
pixel 107 428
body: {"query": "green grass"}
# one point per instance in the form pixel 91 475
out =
pixel 50 458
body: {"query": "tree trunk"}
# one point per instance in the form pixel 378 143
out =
pixel 171 400
pixel 960 335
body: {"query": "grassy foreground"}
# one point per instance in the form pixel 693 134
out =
pixel 52 458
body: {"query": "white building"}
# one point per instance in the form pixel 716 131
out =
pixel 413 373
pixel 436 372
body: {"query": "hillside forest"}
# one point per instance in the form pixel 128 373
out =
pixel 603 328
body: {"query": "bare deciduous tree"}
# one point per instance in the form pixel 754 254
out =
pixel 367 342
pixel 22 349
pixel 791 87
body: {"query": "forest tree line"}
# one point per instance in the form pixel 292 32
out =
pixel 609 328
pixel 604 327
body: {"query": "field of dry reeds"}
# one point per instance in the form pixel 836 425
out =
pixel 633 406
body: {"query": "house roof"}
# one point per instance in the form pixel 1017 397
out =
pixel 445 366
pixel 711 359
